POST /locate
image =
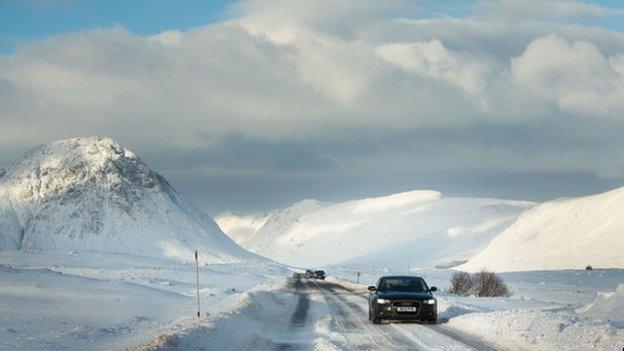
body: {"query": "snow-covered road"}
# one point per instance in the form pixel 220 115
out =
pixel 316 315
pixel 346 309
pixel 152 307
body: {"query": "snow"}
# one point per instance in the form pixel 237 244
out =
pixel 93 194
pixel 241 228
pixel 608 306
pixel 561 234
pixel 421 227
pixel 274 224
pixel 61 310
pixel 251 324
pixel 536 317
pixel 540 330
pixel 102 301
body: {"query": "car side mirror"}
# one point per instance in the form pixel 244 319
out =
pixel 372 288
pixel 433 288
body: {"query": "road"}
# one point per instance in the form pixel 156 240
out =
pixel 342 315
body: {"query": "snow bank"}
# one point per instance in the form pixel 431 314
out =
pixel 42 309
pixel 103 301
pixel 607 306
pixel 252 324
pixel 540 330
pixel 560 234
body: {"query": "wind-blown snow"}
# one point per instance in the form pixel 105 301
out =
pixel 421 226
pixel 93 194
pixel 560 234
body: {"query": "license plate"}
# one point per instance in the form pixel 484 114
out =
pixel 406 309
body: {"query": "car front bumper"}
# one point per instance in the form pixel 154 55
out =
pixel 424 312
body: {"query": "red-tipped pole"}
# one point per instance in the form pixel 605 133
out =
pixel 197 280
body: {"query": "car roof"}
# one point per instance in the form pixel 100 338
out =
pixel 400 276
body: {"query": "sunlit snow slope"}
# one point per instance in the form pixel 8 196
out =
pixel 93 194
pixel 422 227
pixel 561 234
pixel 240 228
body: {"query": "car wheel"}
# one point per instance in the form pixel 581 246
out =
pixel 433 320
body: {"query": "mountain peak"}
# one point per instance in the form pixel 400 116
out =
pixel 61 166
pixel 94 150
pixel 93 194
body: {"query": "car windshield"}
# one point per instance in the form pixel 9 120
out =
pixel 403 284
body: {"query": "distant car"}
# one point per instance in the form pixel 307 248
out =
pixel 320 274
pixel 309 274
pixel 402 298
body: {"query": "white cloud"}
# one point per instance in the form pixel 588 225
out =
pixel 432 59
pixel 320 73
pixel 284 21
pixel 577 76
pixel 169 37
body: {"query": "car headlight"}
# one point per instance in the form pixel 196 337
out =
pixel 429 302
pixel 383 301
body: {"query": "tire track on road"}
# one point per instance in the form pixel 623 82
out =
pixel 299 316
pixel 301 311
pixel 469 340
pixel 382 339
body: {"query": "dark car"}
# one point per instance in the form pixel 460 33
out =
pixel 319 275
pixel 309 274
pixel 402 298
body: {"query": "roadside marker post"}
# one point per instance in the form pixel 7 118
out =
pixel 197 280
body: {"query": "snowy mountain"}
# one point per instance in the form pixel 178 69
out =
pixel 241 228
pixel 421 227
pixel 561 234
pixel 93 194
pixel 257 233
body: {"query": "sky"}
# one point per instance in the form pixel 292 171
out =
pixel 252 105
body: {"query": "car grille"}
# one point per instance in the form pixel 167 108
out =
pixel 406 303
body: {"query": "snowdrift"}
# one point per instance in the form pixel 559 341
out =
pixel 608 306
pixel 560 234
pixel 420 227
pixel 93 194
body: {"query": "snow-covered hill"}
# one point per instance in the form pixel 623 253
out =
pixel 241 228
pixel 93 194
pixel 561 234
pixel 257 233
pixel 421 227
